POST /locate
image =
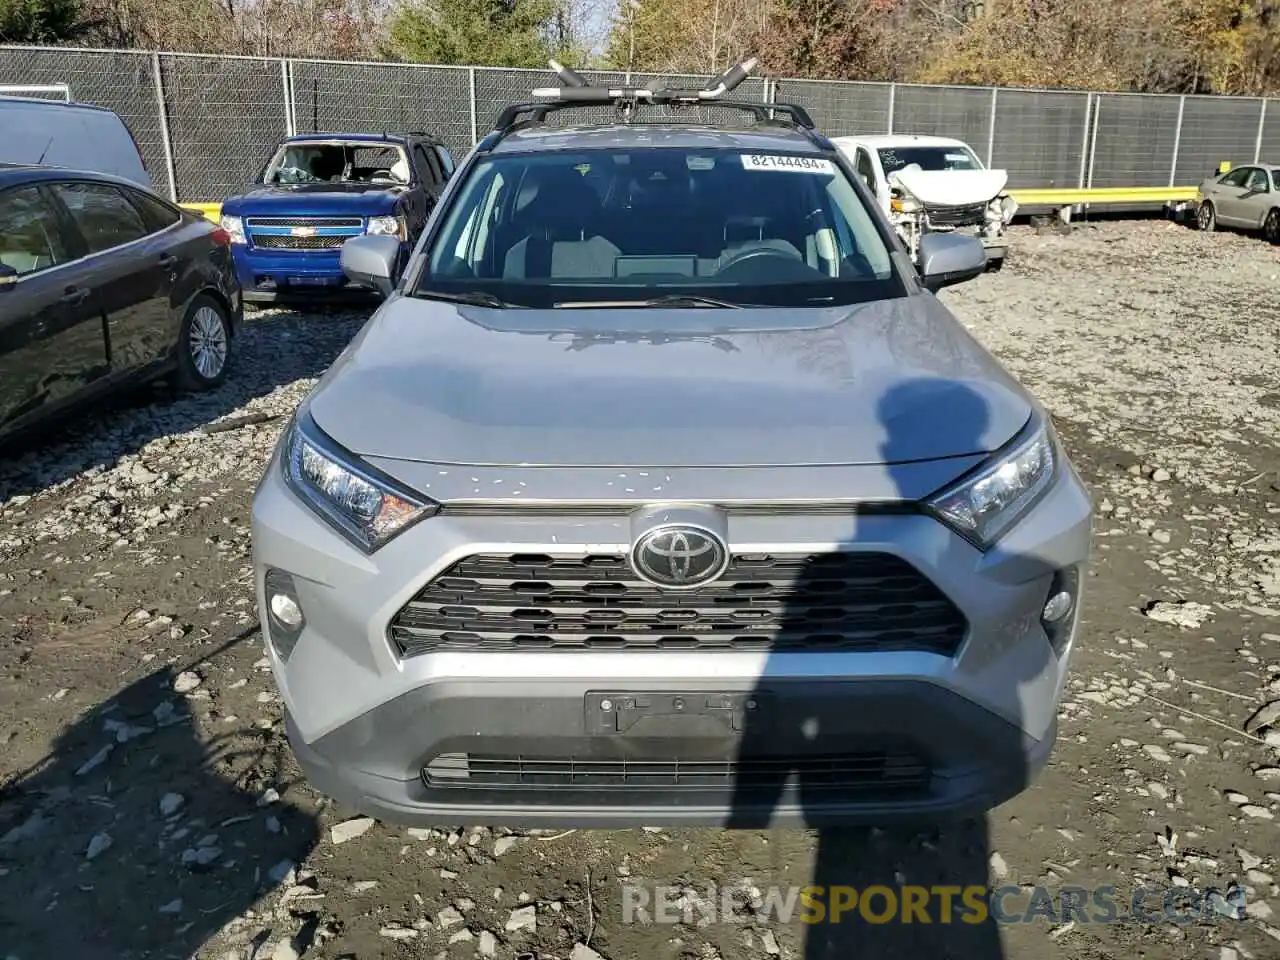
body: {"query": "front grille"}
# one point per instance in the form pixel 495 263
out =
pixel 957 216
pixel 270 241
pixel 848 601
pixel 354 222
pixel 873 771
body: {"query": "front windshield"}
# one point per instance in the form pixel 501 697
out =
pixel 614 227
pixel 338 162
pixel 928 158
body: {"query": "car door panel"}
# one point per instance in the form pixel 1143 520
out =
pixel 1227 197
pixel 1257 199
pixel 432 180
pixel 52 334
pixel 134 270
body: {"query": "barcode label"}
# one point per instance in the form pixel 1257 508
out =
pixel 757 161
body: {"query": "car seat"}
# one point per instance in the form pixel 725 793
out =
pixel 556 214
pixel 400 170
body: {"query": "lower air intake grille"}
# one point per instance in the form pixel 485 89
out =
pixel 785 602
pixel 270 241
pixel 870 771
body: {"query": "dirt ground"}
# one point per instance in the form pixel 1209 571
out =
pixel 149 805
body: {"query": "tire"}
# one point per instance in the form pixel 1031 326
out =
pixel 1271 226
pixel 204 346
pixel 1207 217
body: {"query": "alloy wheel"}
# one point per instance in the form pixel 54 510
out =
pixel 208 342
pixel 1271 226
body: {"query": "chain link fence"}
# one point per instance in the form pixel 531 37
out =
pixel 205 124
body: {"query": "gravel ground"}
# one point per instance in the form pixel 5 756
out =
pixel 149 806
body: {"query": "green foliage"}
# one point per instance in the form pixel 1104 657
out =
pixel 40 21
pixel 663 31
pixel 500 33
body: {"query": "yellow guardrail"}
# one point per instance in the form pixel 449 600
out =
pixel 1065 197
pixel 211 211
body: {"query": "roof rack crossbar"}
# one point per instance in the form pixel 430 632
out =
pixel 524 114
pixel 576 92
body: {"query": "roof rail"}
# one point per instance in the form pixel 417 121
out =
pixel 576 93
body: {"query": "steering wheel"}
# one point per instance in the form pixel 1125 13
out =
pixel 755 253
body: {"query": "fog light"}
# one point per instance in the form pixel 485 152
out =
pixel 285 620
pixel 1056 617
pixel 1059 606
pixel 285 609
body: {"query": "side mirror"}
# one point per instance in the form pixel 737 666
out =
pixel 8 277
pixel 372 262
pixel 950 258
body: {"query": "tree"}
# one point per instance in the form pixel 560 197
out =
pixel 40 21
pixel 838 39
pixel 327 28
pixel 499 33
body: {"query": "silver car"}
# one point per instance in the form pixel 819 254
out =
pixel 662 489
pixel 1247 197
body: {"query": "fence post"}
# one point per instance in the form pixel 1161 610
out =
pixel 286 84
pixel 1262 122
pixel 893 93
pixel 164 127
pixel 1093 137
pixel 471 77
pixel 1177 142
pixel 1084 144
pixel 991 132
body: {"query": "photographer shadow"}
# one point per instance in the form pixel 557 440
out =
pixel 911 759
pixel 152 847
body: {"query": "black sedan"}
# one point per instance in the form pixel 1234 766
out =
pixel 104 284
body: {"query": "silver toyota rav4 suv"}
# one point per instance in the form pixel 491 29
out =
pixel 662 489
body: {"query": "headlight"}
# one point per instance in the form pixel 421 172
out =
pixel 903 204
pixel 365 506
pixel 1002 209
pixel 985 504
pixel 386 227
pixel 234 227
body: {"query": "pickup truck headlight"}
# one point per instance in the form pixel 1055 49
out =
pixel 984 505
pixel 234 227
pixel 361 503
pixel 387 227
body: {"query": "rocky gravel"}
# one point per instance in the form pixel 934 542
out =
pixel 149 805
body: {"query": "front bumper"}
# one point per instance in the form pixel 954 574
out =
pixel 975 759
pixel 369 726
pixel 267 277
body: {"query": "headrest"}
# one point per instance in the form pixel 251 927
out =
pixel 556 189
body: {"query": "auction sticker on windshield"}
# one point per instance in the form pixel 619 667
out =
pixel 756 161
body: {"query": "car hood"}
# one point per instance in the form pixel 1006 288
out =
pixel 315 199
pixel 890 382
pixel 951 188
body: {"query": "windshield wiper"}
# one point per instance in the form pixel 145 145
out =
pixel 671 300
pixel 477 298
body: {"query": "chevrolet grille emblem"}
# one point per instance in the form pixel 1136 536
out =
pixel 303 232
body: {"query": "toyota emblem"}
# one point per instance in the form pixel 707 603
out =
pixel 679 556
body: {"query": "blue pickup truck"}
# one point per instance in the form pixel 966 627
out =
pixel 317 191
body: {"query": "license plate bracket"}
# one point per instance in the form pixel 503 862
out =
pixel 698 713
